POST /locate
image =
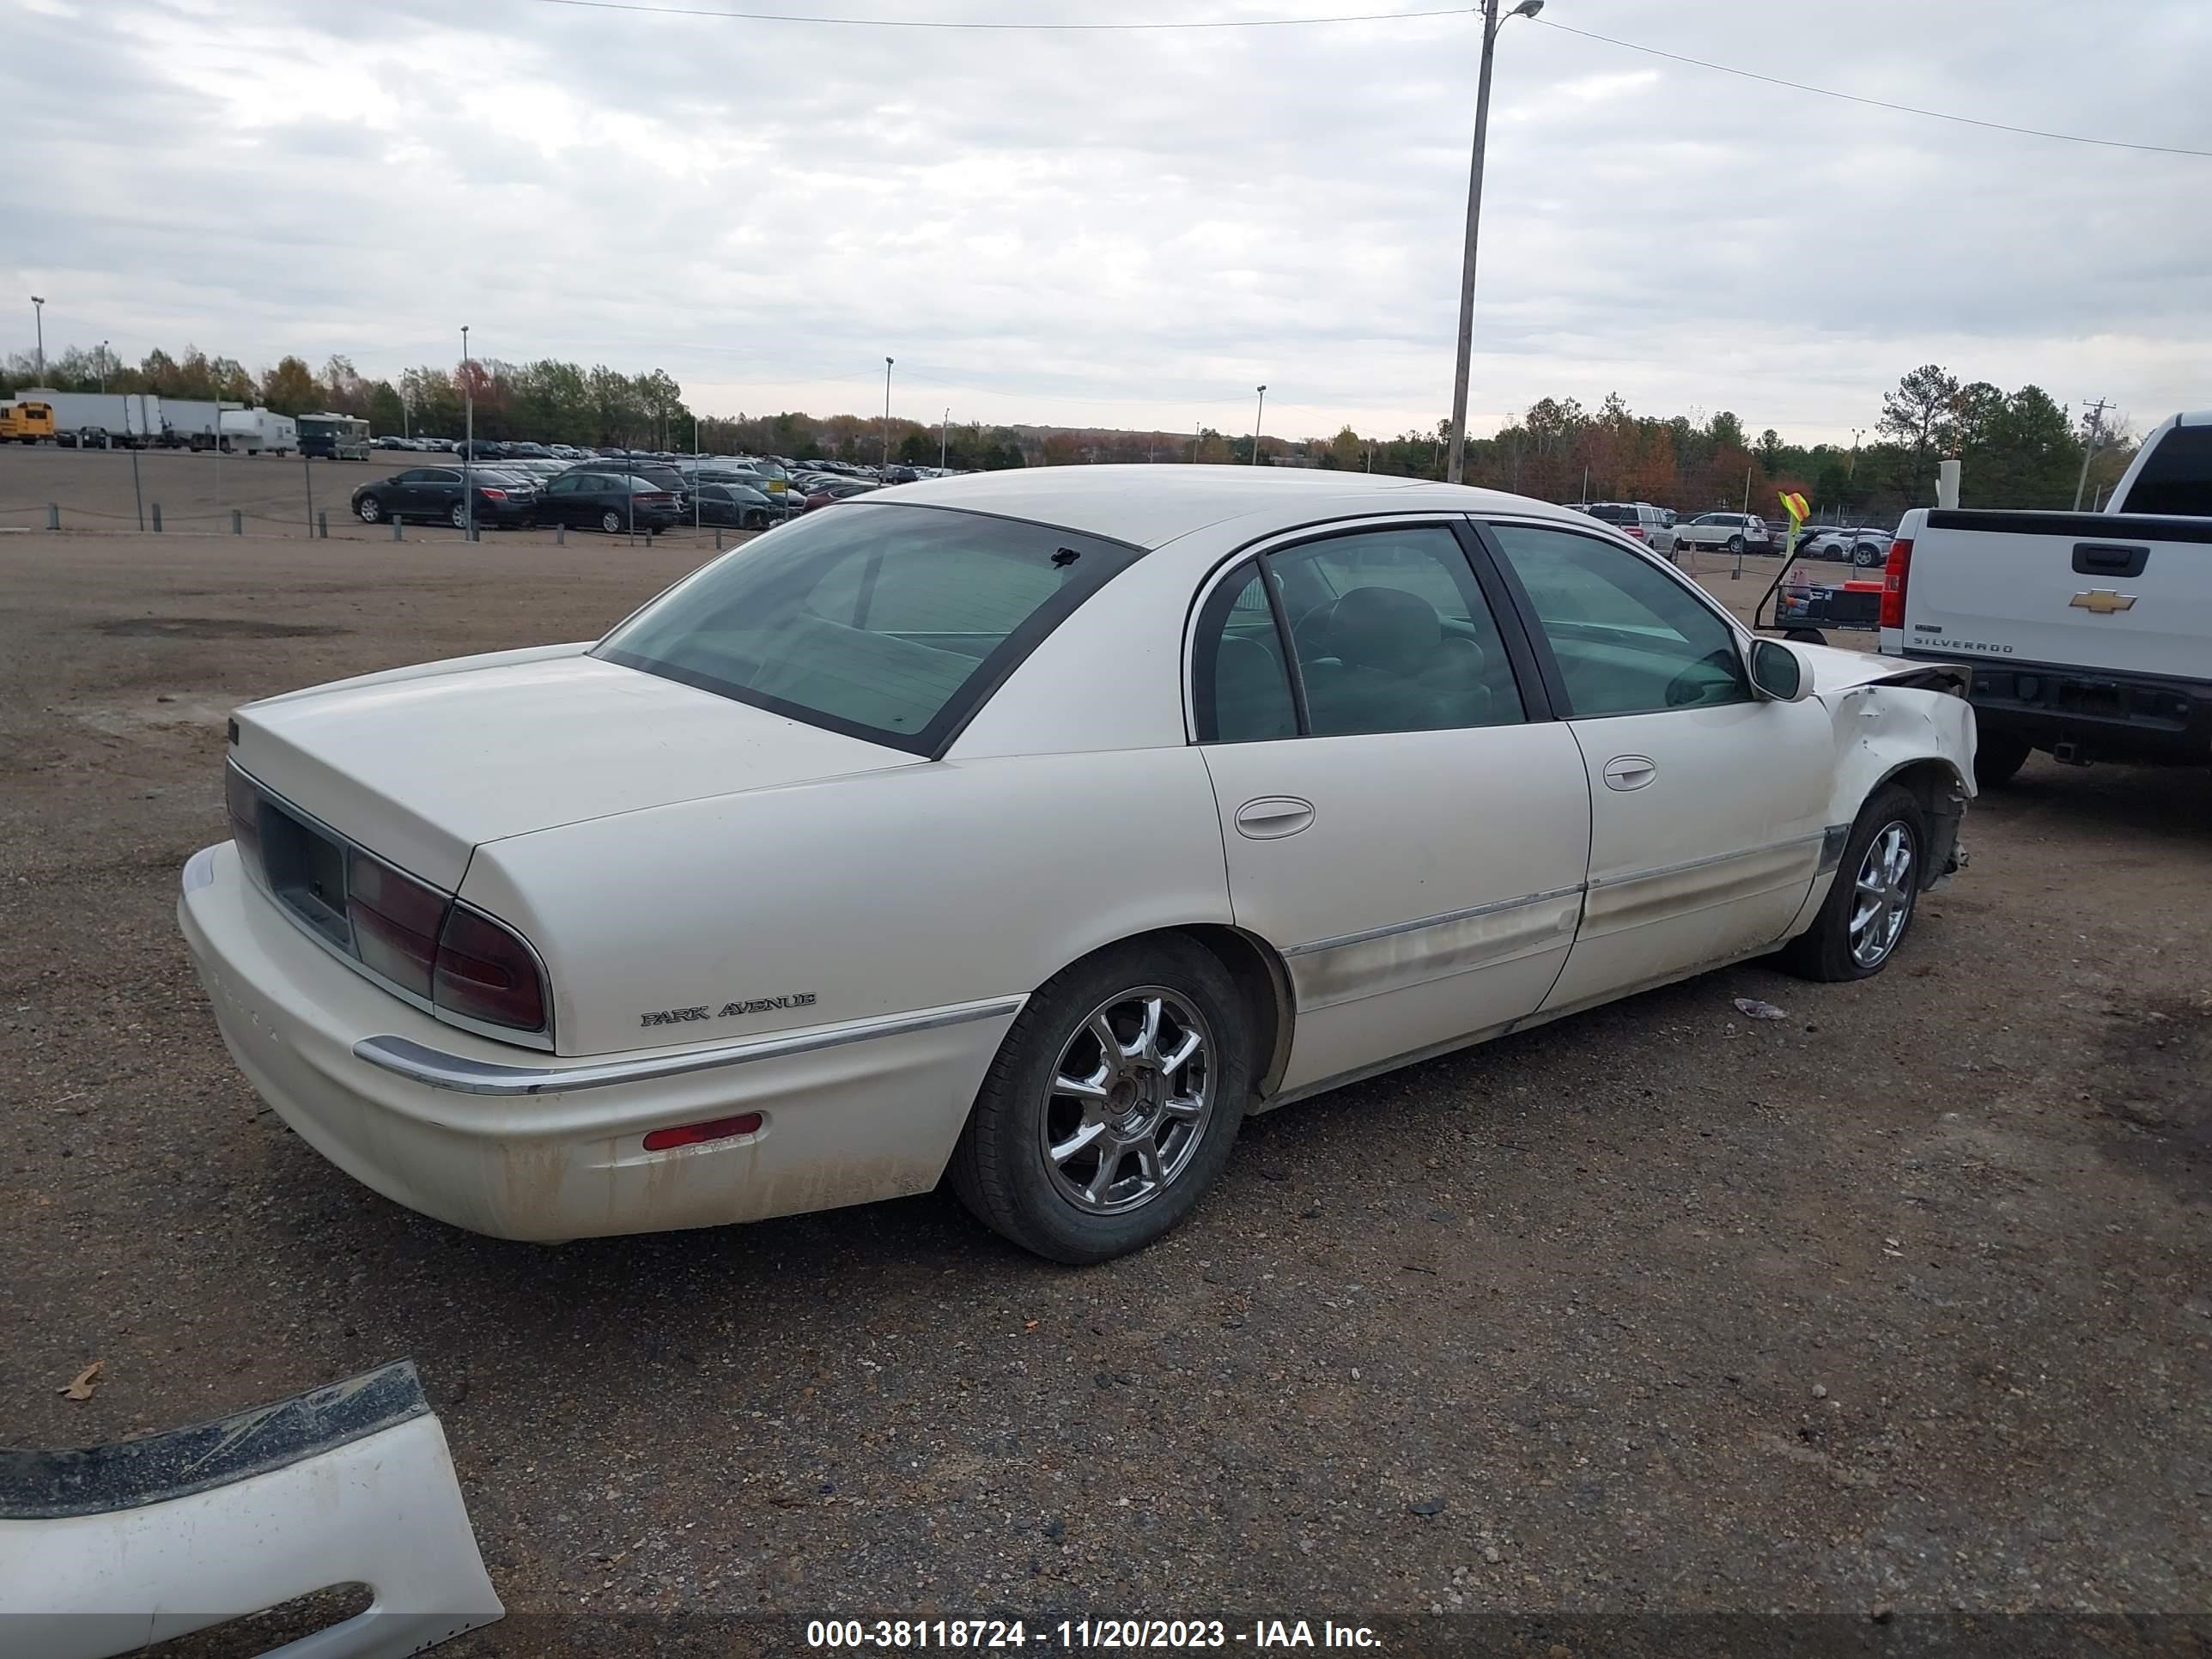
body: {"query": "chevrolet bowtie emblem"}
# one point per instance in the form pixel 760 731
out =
pixel 2103 600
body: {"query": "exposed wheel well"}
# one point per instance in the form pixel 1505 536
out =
pixel 1941 793
pixel 1265 983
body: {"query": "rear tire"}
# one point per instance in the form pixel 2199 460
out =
pixel 1997 758
pixel 1735 544
pixel 610 521
pixel 1868 911
pixel 1124 1153
pixel 1866 556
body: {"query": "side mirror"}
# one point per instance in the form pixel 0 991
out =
pixel 1778 672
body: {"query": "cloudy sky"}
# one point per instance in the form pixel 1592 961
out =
pixel 1128 228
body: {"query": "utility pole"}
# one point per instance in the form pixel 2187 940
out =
pixel 1259 418
pixel 887 417
pixel 218 399
pixel 1492 22
pixel 39 317
pixel 469 443
pixel 943 439
pixel 2090 445
pixel 1196 427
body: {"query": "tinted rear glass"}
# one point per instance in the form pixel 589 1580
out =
pixel 2177 479
pixel 884 621
pixel 1613 513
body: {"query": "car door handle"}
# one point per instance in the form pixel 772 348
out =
pixel 1630 772
pixel 1273 817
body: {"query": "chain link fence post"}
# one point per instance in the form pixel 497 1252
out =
pixel 157 516
pixel 237 522
pixel 323 525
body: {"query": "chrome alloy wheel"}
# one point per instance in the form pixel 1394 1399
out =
pixel 1129 1102
pixel 1881 902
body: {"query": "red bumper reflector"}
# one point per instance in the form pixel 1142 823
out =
pixel 691 1135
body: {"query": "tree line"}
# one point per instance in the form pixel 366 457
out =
pixel 2020 449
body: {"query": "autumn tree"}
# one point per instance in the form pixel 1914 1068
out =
pixel 290 388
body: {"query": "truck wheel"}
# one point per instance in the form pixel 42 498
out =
pixel 1805 636
pixel 1997 756
pixel 1870 903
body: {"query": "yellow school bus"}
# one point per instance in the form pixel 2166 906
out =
pixel 26 422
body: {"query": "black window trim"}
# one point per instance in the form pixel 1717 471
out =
pixel 1554 681
pixel 934 741
pixel 1539 700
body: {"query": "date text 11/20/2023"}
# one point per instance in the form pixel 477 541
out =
pixel 1085 1633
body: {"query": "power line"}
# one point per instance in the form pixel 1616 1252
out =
pixel 1875 103
pixel 1004 26
pixel 1026 25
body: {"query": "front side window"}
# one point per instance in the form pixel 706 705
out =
pixel 1628 638
pixel 888 622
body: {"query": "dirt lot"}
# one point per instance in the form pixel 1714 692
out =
pixel 1905 1303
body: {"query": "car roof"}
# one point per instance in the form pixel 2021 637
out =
pixel 1148 507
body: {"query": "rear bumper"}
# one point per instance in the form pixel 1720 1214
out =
pixel 2090 713
pixel 462 1130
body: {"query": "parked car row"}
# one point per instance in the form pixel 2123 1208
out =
pixel 618 494
pixel 1864 545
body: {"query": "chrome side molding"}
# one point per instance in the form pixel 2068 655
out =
pixel 461 1074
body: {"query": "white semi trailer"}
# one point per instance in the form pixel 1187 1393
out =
pixel 100 420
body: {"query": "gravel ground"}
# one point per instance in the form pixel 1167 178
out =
pixel 1900 1303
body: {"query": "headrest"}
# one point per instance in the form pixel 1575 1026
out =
pixel 1384 628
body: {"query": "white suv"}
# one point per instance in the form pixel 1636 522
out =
pixel 1734 532
pixel 1639 520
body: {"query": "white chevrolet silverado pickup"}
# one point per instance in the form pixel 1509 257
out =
pixel 2090 634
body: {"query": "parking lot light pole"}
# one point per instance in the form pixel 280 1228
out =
pixel 887 417
pixel 1492 22
pixel 1258 416
pixel 945 440
pixel 103 386
pixel 468 443
pixel 39 318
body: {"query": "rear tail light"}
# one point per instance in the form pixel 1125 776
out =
pixel 485 972
pixel 489 494
pixel 396 921
pixel 410 935
pixel 243 802
pixel 1894 577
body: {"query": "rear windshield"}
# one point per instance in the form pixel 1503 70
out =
pixel 2177 479
pixel 1614 513
pixel 881 620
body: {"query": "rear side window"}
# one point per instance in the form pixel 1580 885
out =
pixel 885 622
pixel 2177 479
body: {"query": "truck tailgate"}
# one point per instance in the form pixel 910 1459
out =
pixel 2121 591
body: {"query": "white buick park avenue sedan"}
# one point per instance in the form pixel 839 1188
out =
pixel 1030 831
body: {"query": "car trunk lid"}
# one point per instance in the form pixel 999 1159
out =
pixel 422 767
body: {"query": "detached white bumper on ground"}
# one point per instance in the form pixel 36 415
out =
pixel 113 1548
pixel 504 1141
